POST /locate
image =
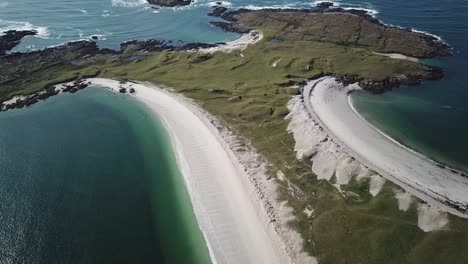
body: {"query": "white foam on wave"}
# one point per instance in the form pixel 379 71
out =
pixel 427 33
pixel 3 4
pixel 296 5
pixel 6 25
pixel 223 3
pixel 129 3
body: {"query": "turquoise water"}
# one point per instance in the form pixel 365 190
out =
pixel 91 178
pixel 431 118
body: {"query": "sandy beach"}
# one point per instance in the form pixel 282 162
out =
pixel 241 43
pixel 330 104
pixel 234 202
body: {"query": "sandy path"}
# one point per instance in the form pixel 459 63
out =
pixel 330 103
pixel 397 56
pixel 226 207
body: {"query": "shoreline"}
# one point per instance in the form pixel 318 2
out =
pixel 440 164
pixel 411 170
pixel 259 231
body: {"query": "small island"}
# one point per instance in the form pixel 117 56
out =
pixel 170 3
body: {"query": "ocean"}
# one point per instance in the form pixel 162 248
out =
pixel 58 189
pixel 92 178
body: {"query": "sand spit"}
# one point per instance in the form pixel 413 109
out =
pixel 235 203
pixel 241 43
pixel 329 104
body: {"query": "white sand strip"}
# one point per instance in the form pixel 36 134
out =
pixel 241 43
pixel 328 102
pixel 397 56
pixel 236 210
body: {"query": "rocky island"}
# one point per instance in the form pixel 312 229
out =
pixel 170 3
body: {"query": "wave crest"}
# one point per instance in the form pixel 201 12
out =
pixel 6 25
pixel 129 3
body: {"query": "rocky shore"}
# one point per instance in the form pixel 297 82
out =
pixel 387 84
pixel 25 101
pixel 11 38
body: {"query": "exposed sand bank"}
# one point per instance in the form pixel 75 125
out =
pixel 241 43
pixel 329 104
pixel 233 200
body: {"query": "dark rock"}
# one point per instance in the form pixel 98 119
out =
pixel 132 90
pixel 95 37
pixel 122 90
pixel 324 5
pixel 196 45
pixel 170 3
pixel 152 45
pixel 217 11
pixel 12 38
pixel 387 84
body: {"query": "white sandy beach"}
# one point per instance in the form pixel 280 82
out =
pixel 234 202
pixel 241 43
pixel 330 104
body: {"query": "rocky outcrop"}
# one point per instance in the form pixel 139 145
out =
pixel 170 3
pixel 324 5
pixel 31 99
pixel 387 84
pixel 154 45
pixel 217 11
pixel 12 38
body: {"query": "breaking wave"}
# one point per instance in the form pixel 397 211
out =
pixel 129 3
pixel 5 25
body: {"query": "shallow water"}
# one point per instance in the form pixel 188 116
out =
pixel 91 178
pixel 431 118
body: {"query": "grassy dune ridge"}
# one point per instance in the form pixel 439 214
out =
pixel 249 91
